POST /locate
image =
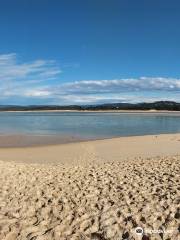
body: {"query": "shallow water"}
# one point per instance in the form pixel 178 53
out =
pixel 88 125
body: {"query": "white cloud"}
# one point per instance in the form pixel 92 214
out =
pixel 13 73
pixel 79 99
pixel 37 93
pixel 118 85
pixel 116 90
pixel 33 80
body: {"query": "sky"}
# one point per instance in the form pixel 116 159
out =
pixel 89 51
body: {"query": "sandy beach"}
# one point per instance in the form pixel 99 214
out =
pixel 103 189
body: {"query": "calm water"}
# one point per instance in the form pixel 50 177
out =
pixel 88 125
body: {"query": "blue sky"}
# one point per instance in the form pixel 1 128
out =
pixel 89 51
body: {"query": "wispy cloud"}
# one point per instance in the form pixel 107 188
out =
pixel 117 90
pixel 14 74
pixel 119 85
pixel 35 81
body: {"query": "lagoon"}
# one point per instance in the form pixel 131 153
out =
pixel 88 125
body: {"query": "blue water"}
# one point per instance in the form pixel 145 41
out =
pixel 88 125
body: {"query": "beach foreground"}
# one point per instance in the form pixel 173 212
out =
pixel 100 194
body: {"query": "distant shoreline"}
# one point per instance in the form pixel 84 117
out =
pixel 96 111
pixel 142 106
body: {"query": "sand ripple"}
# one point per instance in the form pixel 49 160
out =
pixel 99 200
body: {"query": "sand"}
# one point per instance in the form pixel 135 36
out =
pixel 115 149
pixel 101 189
pixel 24 140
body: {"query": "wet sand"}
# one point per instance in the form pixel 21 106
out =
pixel 101 189
pixel 115 149
pixel 18 141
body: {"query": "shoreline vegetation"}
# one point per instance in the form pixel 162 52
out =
pixel 154 106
